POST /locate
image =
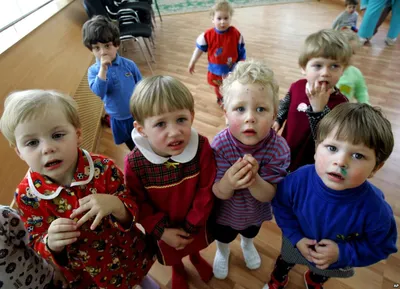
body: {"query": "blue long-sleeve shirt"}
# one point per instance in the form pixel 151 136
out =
pixel 359 220
pixel 117 89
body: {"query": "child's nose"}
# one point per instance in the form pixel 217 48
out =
pixel 47 148
pixel 250 117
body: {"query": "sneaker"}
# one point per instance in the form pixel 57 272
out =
pixel 311 284
pixel 364 40
pixel 390 41
pixel 275 284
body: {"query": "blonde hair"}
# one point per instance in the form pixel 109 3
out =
pixel 157 95
pixel 248 72
pixel 326 43
pixel 27 105
pixel 359 123
pixel 221 5
pixel 350 35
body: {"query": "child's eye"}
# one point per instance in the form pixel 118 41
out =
pixel 261 109
pixel 181 119
pixel 107 46
pixel 160 124
pixel 335 66
pixel 32 143
pixel 317 65
pixel 240 109
pixel 331 148
pixel 58 135
pixel 358 156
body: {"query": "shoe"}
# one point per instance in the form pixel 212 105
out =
pixel 390 41
pixel 311 284
pixel 220 102
pixel 106 121
pixel 364 40
pixel 275 284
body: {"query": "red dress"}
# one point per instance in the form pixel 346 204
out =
pixel 108 257
pixel 173 194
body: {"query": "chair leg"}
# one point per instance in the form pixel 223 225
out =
pixel 144 55
pixel 152 41
pixel 158 10
pixel 145 40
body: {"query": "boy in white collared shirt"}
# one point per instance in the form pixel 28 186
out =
pixel 171 172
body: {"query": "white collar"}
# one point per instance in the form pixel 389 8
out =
pixel 187 155
pixel 59 189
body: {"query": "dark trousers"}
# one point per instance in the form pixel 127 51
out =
pixel 130 144
pixel 226 234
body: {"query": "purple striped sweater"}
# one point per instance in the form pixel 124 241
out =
pixel 242 210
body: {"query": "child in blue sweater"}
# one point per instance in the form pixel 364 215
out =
pixel 113 78
pixel 332 218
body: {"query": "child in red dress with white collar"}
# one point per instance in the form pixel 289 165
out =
pixel 171 172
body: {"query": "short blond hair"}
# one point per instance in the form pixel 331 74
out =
pixel 27 105
pixel 350 35
pixel 326 43
pixel 159 94
pixel 221 5
pixel 359 123
pixel 248 72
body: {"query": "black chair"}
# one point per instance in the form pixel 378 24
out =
pixel 149 2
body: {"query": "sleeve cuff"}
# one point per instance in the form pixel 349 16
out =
pixel 158 230
pixel 190 228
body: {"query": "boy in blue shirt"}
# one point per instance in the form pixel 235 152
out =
pixel 113 77
pixel 331 217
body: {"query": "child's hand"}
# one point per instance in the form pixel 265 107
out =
pixel 176 238
pixel 251 160
pixel 59 280
pixel 62 232
pixel 240 175
pixel 105 61
pixel 318 95
pixel 276 126
pixel 191 68
pixel 326 253
pixel 306 246
pixel 99 206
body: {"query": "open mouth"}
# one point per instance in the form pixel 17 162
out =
pixel 175 144
pixel 52 164
pixel 249 132
pixel 324 81
pixel 336 176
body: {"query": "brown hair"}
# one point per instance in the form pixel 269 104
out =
pixel 159 94
pixel 351 2
pixel 326 43
pixel 100 29
pixel 359 123
pixel 221 5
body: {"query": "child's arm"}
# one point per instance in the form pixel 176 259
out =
pixel 241 49
pixel 154 222
pixel 285 217
pixel 372 246
pixel 137 76
pixel 361 90
pixel 338 21
pixel 196 55
pixel 269 174
pixel 116 203
pixel 318 95
pixel 282 113
pixel 201 47
pixel 203 202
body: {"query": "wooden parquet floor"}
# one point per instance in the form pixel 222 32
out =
pixel 274 33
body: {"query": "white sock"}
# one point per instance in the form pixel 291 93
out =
pixel 221 260
pixel 251 256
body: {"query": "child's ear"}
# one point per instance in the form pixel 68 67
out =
pixel 79 136
pixel 192 113
pixel 303 71
pixel 139 128
pixel 376 169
